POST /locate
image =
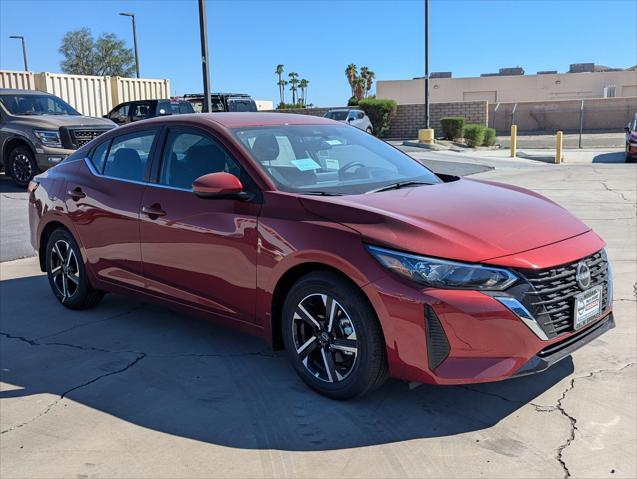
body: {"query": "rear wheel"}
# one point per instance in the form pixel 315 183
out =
pixel 22 166
pixel 67 273
pixel 332 337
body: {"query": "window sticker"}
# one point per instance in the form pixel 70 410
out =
pixel 305 164
pixel 331 164
pixel 334 142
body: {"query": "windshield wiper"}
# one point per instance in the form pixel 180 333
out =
pixel 321 193
pixel 398 185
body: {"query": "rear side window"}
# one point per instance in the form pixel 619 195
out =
pixel 142 110
pixel 164 108
pixel 128 156
pixel 98 158
pixel 121 114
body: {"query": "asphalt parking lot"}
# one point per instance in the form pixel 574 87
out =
pixel 133 390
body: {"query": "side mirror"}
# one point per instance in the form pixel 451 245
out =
pixel 349 120
pixel 627 129
pixel 219 186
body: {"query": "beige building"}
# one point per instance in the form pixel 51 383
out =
pixel 513 88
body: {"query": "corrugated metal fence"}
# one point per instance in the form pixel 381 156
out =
pixel 90 95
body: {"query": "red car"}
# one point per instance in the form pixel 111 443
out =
pixel 327 242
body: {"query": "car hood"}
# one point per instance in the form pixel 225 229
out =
pixel 56 121
pixel 468 220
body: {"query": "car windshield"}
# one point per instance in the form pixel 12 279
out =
pixel 337 115
pixel 36 105
pixel 329 159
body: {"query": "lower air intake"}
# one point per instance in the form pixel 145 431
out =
pixel 437 343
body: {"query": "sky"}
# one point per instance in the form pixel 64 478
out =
pixel 318 39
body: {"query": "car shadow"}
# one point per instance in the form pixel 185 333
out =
pixel 615 157
pixel 188 377
pixel 8 186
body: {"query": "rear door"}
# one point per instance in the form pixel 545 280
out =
pixel 201 252
pixel 104 203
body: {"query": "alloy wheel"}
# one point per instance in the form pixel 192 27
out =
pixel 324 338
pixel 21 168
pixel 65 270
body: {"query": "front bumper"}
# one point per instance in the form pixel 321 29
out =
pixel 447 337
pixel 47 157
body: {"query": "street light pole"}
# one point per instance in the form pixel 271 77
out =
pixel 427 64
pixel 132 15
pixel 24 50
pixel 206 107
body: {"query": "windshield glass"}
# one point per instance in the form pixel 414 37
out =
pixel 337 115
pixel 329 159
pixel 36 105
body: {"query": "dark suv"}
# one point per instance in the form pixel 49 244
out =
pixel 38 130
pixel 131 111
pixel 232 102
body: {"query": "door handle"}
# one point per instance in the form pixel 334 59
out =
pixel 153 211
pixel 76 194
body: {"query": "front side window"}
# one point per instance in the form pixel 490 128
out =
pixel 128 156
pixel 329 159
pixel 120 115
pixel 36 105
pixel 189 155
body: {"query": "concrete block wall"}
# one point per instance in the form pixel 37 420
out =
pixel 410 118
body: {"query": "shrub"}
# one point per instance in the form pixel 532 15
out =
pixel 489 137
pixel 474 134
pixel 353 101
pixel 452 127
pixel 380 113
pixel 289 106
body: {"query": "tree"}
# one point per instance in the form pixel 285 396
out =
pixel 85 56
pixel 303 86
pixel 281 83
pixel 368 76
pixel 351 72
pixel 294 81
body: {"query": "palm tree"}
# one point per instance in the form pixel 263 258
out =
pixel 369 76
pixel 294 80
pixel 359 87
pixel 281 82
pixel 303 86
pixel 351 72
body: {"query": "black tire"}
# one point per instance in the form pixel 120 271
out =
pixel 358 365
pixel 67 277
pixel 22 166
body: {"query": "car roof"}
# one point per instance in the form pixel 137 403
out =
pixel 18 91
pixel 344 109
pixel 244 119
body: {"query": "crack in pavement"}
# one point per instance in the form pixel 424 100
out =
pixel 34 342
pixel 573 420
pixel 90 323
pixel 65 393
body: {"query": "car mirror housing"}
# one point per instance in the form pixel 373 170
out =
pixel 219 186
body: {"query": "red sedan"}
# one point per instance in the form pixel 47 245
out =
pixel 327 242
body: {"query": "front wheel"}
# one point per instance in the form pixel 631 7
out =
pixel 332 337
pixel 22 166
pixel 67 273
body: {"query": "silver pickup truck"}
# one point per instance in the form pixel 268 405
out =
pixel 38 130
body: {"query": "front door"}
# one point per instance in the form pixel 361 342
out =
pixel 201 252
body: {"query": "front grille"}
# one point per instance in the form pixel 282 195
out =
pixel 437 343
pixel 551 298
pixel 81 137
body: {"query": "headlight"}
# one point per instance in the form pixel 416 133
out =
pixel 49 138
pixel 439 273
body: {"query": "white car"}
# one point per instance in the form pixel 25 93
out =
pixel 353 117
